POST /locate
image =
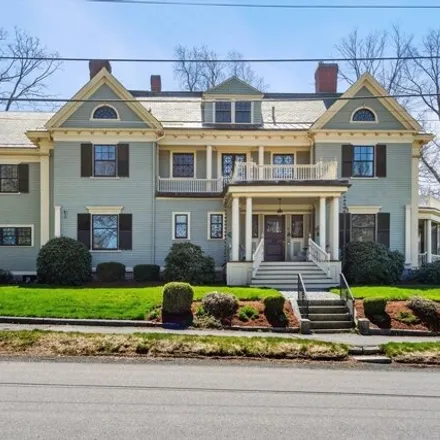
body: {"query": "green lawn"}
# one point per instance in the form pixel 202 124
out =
pixel 395 293
pixel 414 352
pixel 99 303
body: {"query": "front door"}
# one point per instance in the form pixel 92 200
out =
pixel 274 238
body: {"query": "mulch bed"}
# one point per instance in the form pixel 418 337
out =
pixel 393 309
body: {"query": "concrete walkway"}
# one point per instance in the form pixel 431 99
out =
pixel 345 338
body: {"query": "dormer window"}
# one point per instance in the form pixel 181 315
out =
pixel 364 115
pixel 233 112
pixel 105 112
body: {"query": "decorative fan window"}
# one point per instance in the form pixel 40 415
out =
pixel 363 115
pixel 105 112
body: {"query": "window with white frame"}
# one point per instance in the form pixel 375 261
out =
pixel 363 161
pixel 363 227
pixel 105 161
pixel 105 232
pixel 181 226
pixel 233 112
pixel 243 112
pixel 15 236
pixel 183 165
pixel 8 178
pixel 215 226
pixel 105 112
pixel 363 115
pixel 223 112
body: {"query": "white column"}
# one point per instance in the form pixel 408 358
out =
pixel 408 235
pixel 235 229
pixel 209 167
pixel 57 221
pixel 334 214
pixel 261 162
pixel 44 200
pixel 322 238
pixel 428 227
pixel 248 236
pixel 415 205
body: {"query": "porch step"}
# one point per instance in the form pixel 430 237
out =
pixel 335 317
pixel 330 325
pixel 332 310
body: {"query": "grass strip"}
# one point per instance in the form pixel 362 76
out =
pixel 101 303
pixel 49 343
pixel 414 352
pixel 395 293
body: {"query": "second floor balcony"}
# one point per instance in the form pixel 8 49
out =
pixel 248 173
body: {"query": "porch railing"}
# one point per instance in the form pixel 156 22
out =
pixel 258 256
pixel 319 256
pixel 423 258
pixel 181 185
pixel 346 295
pixel 250 171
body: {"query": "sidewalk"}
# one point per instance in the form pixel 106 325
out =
pixel 345 338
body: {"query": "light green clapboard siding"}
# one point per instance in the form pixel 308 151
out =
pixel 341 119
pixel 135 194
pixel 198 228
pixel 22 209
pixel 81 117
pixel 392 193
pixel 164 163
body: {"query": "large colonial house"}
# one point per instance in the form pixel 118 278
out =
pixel 265 183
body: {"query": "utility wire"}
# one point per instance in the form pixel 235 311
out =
pixel 264 5
pixel 248 60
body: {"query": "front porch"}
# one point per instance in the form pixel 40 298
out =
pixel 429 230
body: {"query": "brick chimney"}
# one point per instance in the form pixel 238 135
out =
pixel 326 78
pixel 156 83
pixel 95 66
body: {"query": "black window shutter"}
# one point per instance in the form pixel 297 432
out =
pixel 123 160
pixel 86 160
pixel 383 228
pixel 125 232
pixel 381 160
pixel 347 160
pixel 23 178
pixel 83 233
pixel 344 229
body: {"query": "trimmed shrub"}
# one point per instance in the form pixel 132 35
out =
pixel 426 310
pixel 247 313
pixel 177 298
pixel 375 306
pixel 146 272
pixel 274 306
pixel 429 273
pixel 110 272
pixel 5 276
pixel 371 263
pixel 64 261
pixel 220 305
pixel 407 318
pixel 187 262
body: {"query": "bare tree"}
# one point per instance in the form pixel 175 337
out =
pixel 24 76
pixel 209 71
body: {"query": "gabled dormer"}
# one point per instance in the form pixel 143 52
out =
pixel 232 104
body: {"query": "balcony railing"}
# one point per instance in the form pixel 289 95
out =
pixel 189 186
pixel 250 171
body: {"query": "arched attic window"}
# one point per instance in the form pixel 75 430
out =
pixel 105 112
pixel 363 115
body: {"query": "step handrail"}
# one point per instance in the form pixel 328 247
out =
pixel 258 256
pixel 347 296
pixel 319 256
pixel 302 296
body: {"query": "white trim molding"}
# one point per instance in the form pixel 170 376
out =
pixel 15 225
pixel 57 221
pixel 104 210
pixel 363 107
pixel 357 209
pixel 209 224
pixel 92 118
pixel 173 224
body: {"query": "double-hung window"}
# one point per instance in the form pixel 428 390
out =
pixel 8 178
pixel 15 236
pixel 104 232
pixel 363 161
pixel 183 165
pixel 181 226
pixel 223 112
pixel 233 112
pixel 363 227
pixel 243 112
pixel 215 226
pixel 105 160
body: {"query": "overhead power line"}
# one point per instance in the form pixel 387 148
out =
pixel 266 5
pixel 247 60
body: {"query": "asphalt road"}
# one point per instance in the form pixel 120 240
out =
pixel 171 400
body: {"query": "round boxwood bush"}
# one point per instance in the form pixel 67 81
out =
pixel 371 263
pixel 187 262
pixel 5 276
pixel 177 298
pixel 64 261
pixel 274 306
pixel 426 310
pixel 429 273
pixel 110 272
pixel 375 306
pixel 220 305
pixel 146 272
